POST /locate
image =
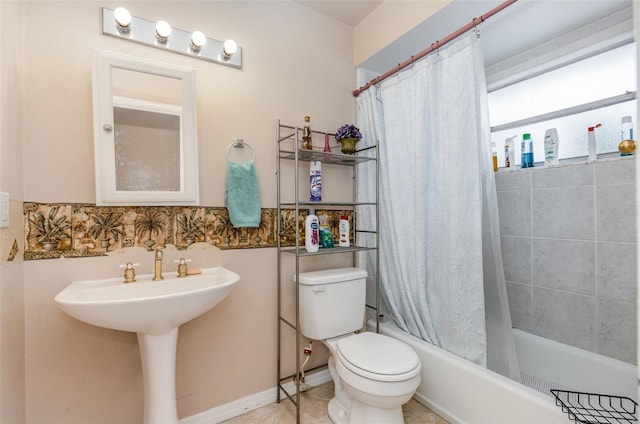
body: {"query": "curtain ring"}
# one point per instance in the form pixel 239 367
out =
pixel 476 27
pixel 437 48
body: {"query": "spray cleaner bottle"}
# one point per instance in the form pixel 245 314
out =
pixel 591 143
pixel 315 181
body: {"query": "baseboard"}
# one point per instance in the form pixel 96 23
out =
pixel 251 402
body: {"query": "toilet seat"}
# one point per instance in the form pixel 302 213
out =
pixel 377 357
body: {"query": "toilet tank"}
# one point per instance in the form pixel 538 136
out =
pixel 332 302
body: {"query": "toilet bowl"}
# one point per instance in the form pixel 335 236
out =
pixel 374 375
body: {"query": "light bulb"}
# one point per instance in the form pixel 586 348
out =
pixel 229 48
pixel 198 39
pixel 163 31
pixel 123 19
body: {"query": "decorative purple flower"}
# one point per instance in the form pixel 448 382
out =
pixel 348 131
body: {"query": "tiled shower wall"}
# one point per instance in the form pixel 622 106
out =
pixel 568 239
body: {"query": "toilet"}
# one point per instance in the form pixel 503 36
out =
pixel 374 375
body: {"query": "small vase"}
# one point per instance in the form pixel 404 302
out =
pixel 348 145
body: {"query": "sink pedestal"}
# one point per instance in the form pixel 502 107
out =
pixel 158 357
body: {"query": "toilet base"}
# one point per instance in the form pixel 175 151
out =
pixel 363 414
pixel 337 412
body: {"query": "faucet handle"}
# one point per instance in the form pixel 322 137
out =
pixel 129 272
pixel 182 266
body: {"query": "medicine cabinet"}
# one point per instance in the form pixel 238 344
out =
pixel 145 132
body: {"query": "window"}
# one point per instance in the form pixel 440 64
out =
pixel 597 90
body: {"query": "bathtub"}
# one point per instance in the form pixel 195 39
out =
pixel 463 392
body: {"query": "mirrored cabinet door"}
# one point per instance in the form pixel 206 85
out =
pixel 145 135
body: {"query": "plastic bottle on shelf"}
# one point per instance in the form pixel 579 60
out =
pixel 627 144
pixel 315 181
pixel 527 151
pixel 509 149
pixel 343 226
pixel 626 128
pixel 551 147
pixel 494 156
pixel 326 238
pixel 311 232
pixel 591 143
pixel 307 142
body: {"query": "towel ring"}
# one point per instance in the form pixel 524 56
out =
pixel 239 143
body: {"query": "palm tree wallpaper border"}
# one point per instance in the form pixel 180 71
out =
pixel 89 230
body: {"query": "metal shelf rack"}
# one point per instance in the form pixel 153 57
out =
pixel 288 142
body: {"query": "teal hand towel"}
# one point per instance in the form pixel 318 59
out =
pixel 242 196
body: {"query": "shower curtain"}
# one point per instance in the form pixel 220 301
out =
pixel 439 240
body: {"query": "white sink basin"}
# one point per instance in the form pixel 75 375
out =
pixel 154 310
pixel 145 306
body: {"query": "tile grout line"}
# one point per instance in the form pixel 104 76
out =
pixel 531 259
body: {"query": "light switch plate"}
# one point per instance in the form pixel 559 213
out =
pixel 4 210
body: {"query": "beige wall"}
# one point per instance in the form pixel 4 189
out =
pixel 79 373
pixel 12 335
pixel 388 22
pixel 288 72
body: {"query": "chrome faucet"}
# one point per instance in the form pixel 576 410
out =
pixel 157 276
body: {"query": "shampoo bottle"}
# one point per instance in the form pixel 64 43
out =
pixel 315 181
pixel 551 147
pixel 343 226
pixel 509 149
pixel 591 143
pixel 311 232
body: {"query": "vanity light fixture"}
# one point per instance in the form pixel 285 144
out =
pixel 198 39
pixel 228 49
pixel 163 31
pixel 119 23
pixel 123 20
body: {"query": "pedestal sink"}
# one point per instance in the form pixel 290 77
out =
pixel 154 310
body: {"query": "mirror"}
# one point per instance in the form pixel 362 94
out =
pixel 145 132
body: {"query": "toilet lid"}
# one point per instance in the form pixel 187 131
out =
pixel 377 354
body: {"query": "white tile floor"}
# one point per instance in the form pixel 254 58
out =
pixel 314 411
